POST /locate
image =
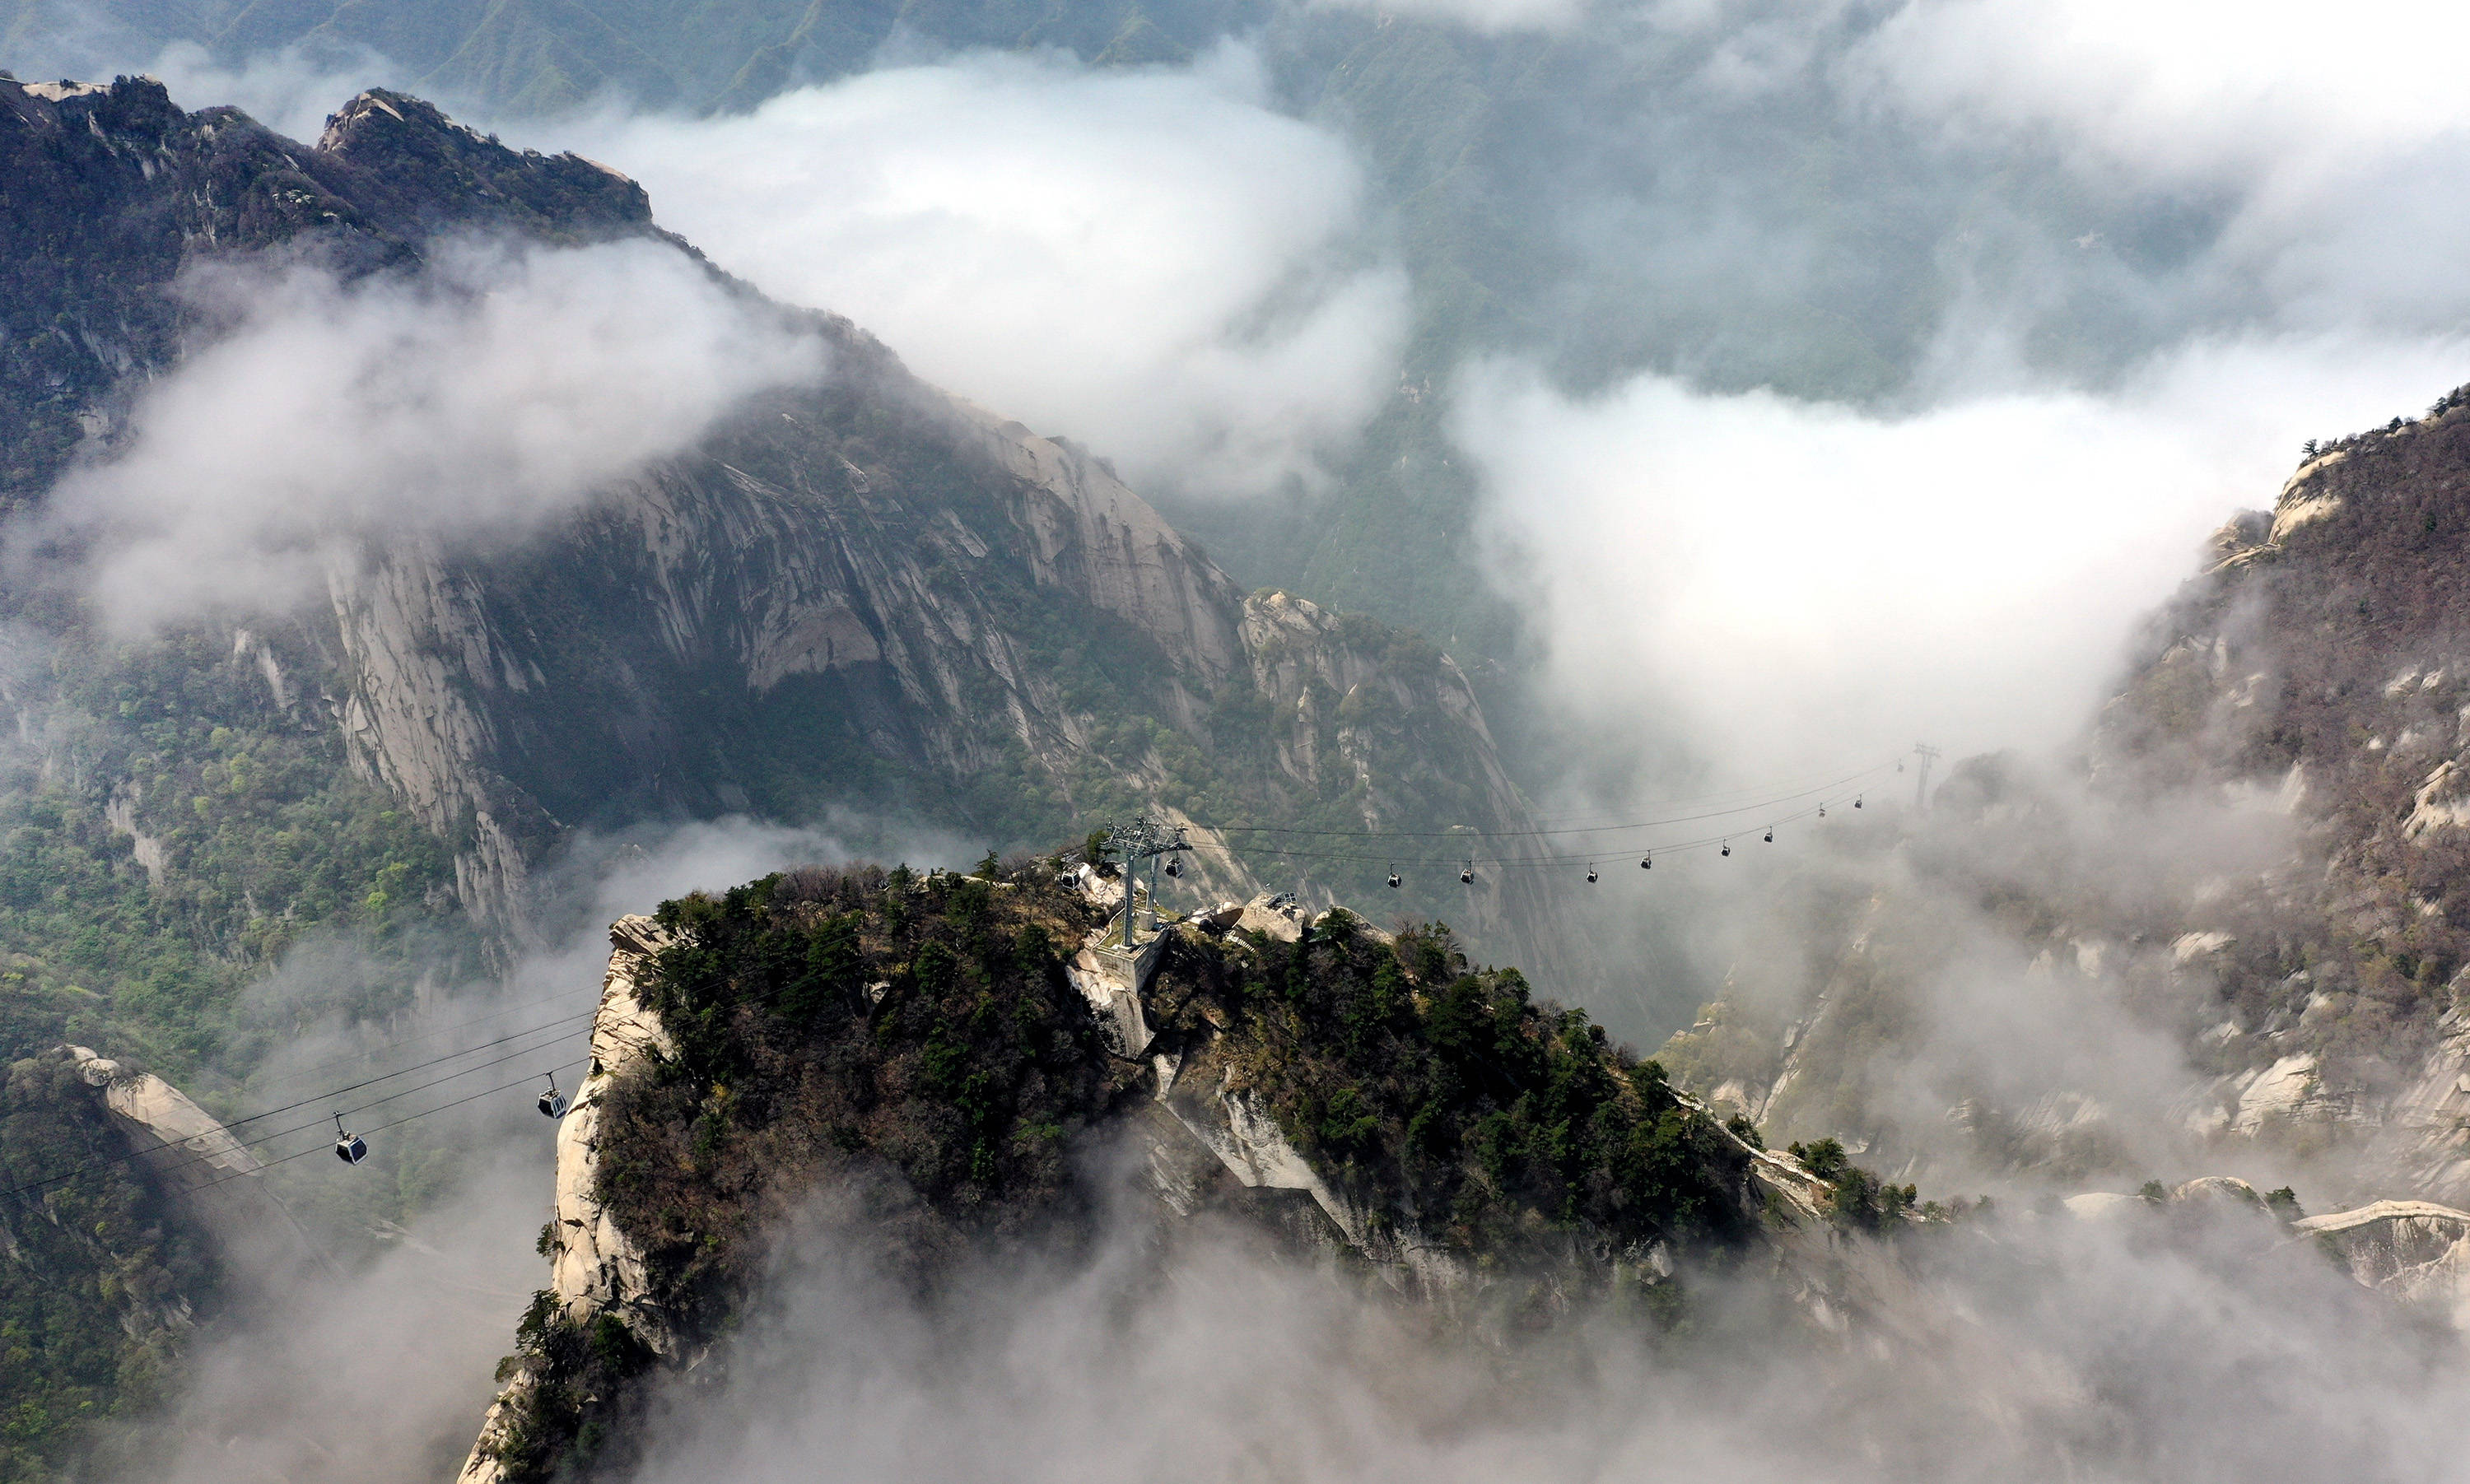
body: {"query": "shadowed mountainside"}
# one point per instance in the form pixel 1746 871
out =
pixel 863 590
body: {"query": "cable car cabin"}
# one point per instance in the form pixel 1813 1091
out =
pixel 1770 834
pixel 1590 875
pixel 350 1148
pixel 1467 876
pixel 1646 863
pixel 1175 866
pixel 1728 848
pixel 553 1102
pixel 1394 880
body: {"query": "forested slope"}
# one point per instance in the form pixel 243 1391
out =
pixel 921 1052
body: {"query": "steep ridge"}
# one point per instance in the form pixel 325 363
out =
pixel 2322 662
pixel 939 1051
pixel 109 192
pixel 858 591
pixel 2263 864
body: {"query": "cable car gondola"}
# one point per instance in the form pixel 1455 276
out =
pixel 349 1148
pixel 1591 873
pixel 1857 800
pixel 1646 863
pixel 553 1102
pixel 1175 865
pixel 1466 874
pixel 1770 834
pixel 1728 848
pixel 1393 878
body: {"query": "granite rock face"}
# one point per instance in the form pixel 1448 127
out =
pixel 862 592
pixel 595 1268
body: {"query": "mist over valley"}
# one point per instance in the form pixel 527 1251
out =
pixel 1468 739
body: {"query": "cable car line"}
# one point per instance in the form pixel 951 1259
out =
pixel 566 1066
pixel 551 1102
pixel 1786 789
pixel 514 1035
pixel 1781 788
pixel 195 1157
pixel 302 1073
pixel 1531 862
pixel 1755 806
pixel 342 1113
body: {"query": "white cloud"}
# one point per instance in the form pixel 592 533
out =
pixel 492 392
pixel 2023 1349
pixel 1794 583
pixel 2188 84
pixel 1481 16
pixel 2336 141
pixel 1154 262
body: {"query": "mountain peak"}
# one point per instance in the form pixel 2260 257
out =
pixel 409 153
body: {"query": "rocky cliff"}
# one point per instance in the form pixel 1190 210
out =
pixel 957 1057
pixel 2319 664
pixel 860 592
pixel 2256 880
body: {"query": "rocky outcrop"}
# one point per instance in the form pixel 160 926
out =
pixel 213 1178
pixel 595 1268
pixel 2414 1250
pixel 157 1116
pixel 841 1009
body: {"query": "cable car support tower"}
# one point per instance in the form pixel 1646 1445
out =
pixel 1143 839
